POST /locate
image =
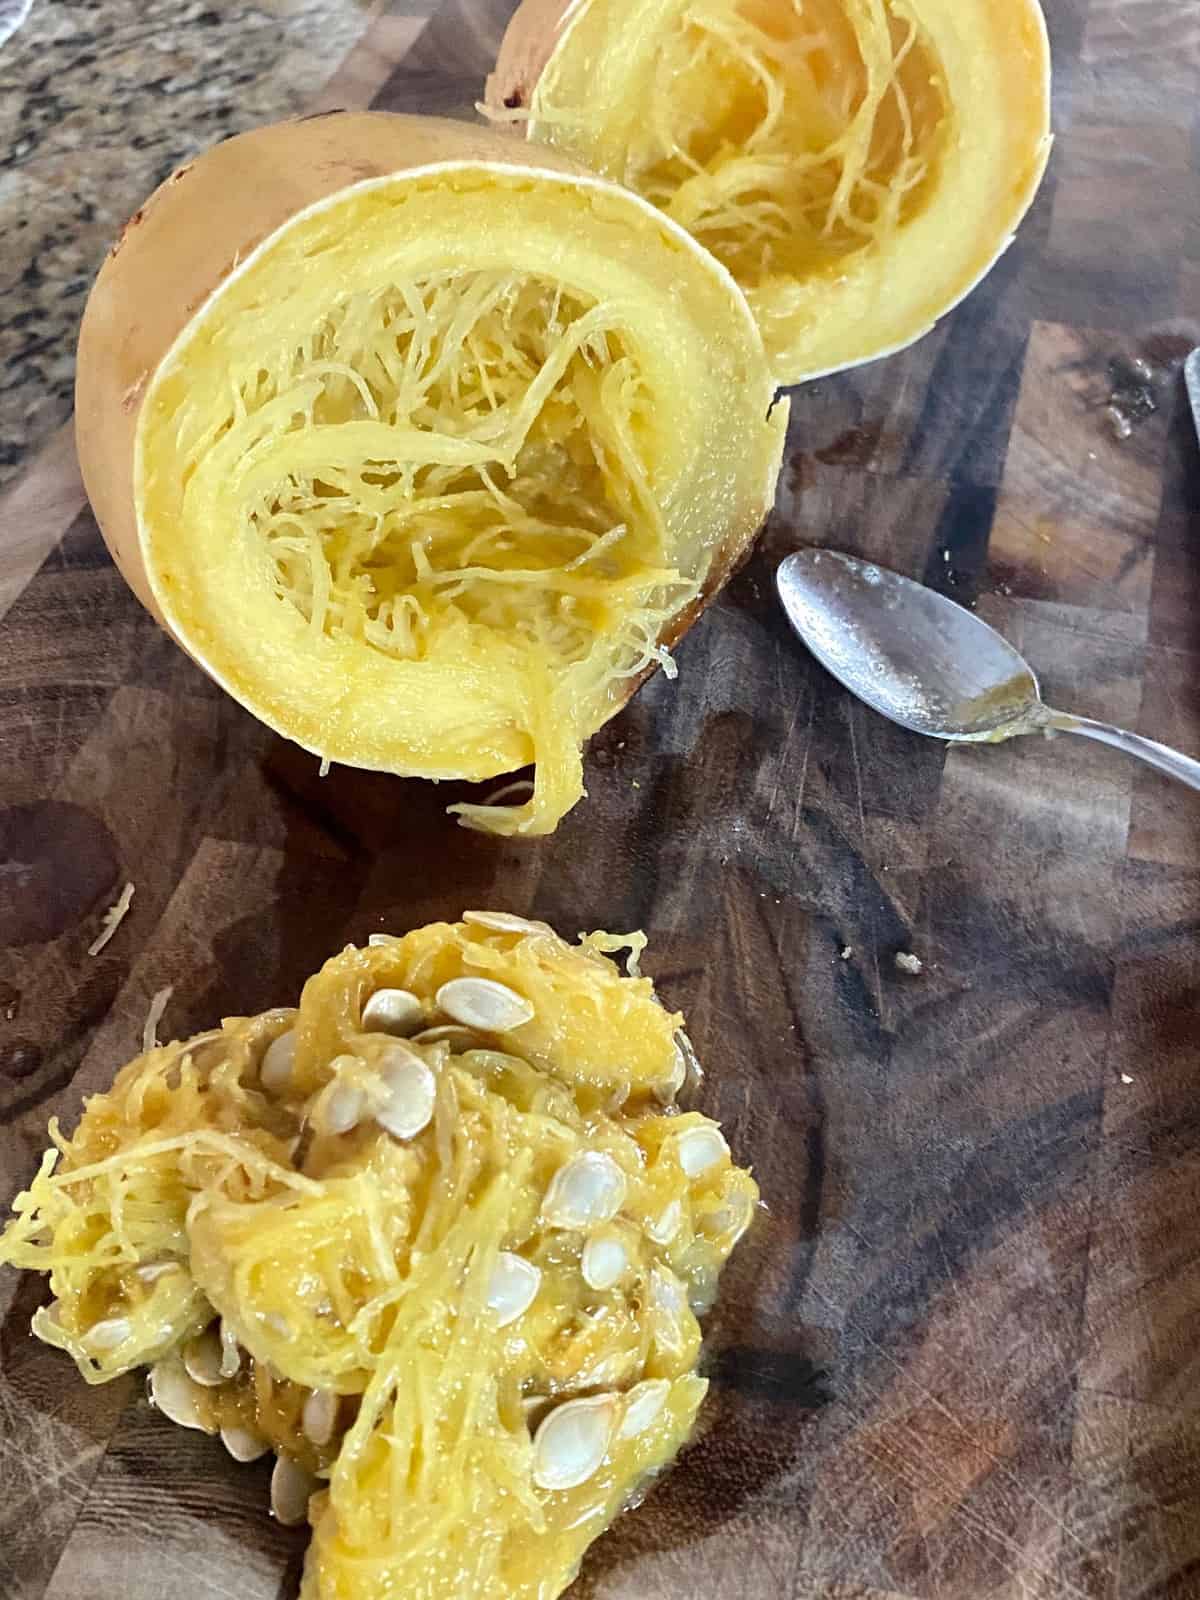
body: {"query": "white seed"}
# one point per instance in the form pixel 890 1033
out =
pixel 411 1093
pixel 152 1271
pixel 669 1302
pixel 109 1334
pixel 375 939
pixel 699 1148
pixel 202 1358
pixel 666 1291
pixel 319 1417
pixel 484 1004
pixel 339 1108
pixel 664 1228
pixel 244 1444
pixel 666 1091
pixel 693 1072
pixel 643 1405
pixel 275 1070
pixel 231 1352
pixel 733 1218
pixel 291 1487
pixel 505 922
pixel 451 1033
pixel 175 1395
pixel 395 1011
pixel 702 1288
pixel 513 1287
pixel 589 1189
pixel 571 1443
pixel 605 1261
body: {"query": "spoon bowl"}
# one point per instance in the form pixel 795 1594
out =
pixel 910 653
pixel 929 664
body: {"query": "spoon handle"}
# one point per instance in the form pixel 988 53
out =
pixel 1159 756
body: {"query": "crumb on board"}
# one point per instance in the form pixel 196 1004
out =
pixel 113 919
pixel 907 962
pixel 1125 1078
pixel 846 952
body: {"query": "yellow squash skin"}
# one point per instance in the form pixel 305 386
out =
pixel 601 80
pixel 200 255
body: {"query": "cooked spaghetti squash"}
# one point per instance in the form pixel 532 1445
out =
pixel 439 1238
pixel 425 446
pixel 858 165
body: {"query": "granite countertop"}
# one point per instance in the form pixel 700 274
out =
pixel 99 99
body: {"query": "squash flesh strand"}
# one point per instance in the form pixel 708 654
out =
pixel 444 458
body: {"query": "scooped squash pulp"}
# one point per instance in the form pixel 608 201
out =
pixel 440 465
pixel 438 1237
pixel 856 164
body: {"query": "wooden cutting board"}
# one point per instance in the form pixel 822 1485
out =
pixel 959 1358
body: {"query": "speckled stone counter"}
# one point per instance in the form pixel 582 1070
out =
pixel 99 99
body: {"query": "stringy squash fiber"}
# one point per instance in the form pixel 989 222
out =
pixel 858 165
pixel 424 444
pixel 438 1238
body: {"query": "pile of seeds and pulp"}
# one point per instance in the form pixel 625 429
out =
pixel 438 1238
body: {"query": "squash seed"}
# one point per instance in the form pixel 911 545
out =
pixel 244 1444
pixel 231 1350
pixel 505 922
pixel 666 1291
pixel 411 1093
pixel 275 1070
pixel 108 1334
pixel 572 1442
pixel 513 1287
pixel 664 1228
pixel 700 1148
pixel 339 1108
pixel 484 1004
pixel 152 1271
pixel 451 1033
pixel 669 1304
pixel 667 1091
pixel 202 1357
pixel 394 1011
pixel 174 1394
pixel 733 1219
pixel 319 1417
pixel 590 1188
pixel 291 1487
pixel 605 1261
pixel 643 1405
pixel 686 1071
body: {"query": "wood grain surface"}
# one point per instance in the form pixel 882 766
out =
pixel 960 1358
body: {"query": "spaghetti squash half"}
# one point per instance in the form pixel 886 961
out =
pixel 439 1238
pixel 425 445
pixel 858 165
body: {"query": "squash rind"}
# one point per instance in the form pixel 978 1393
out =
pixel 120 354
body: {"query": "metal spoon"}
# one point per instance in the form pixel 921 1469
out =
pixel 930 664
pixel 1191 378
